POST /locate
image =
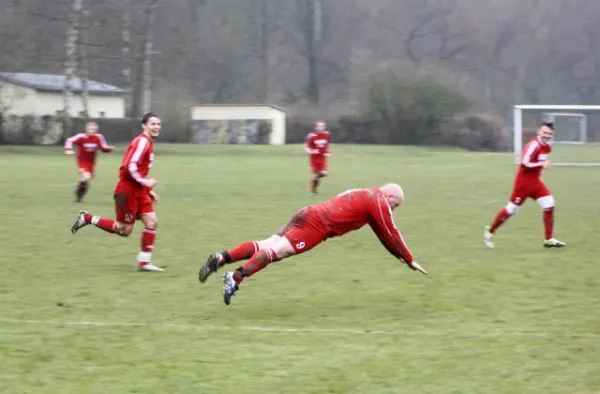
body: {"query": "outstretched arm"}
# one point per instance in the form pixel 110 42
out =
pixel 104 146
pixel 74 140
pixel 382 223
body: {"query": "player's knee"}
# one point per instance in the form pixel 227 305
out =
pixel 283 248
pixel 512 208
pixel 323 174
pixel 85 177
pixel 269 242
pixel 546 202
pixel 150 221
pixel 124 230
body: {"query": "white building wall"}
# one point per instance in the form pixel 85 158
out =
pixel 242 112
pixel 18 100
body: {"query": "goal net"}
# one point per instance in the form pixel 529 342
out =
pixel 238 124
pixel 575 140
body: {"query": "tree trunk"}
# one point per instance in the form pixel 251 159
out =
pixel 147 57
pixel 71 57
pixel 126 59
pixel 264 51
pixel 84 69
pixel 313 36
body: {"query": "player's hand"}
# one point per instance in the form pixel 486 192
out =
pixel 546 164
pixel 153 196
pixel 151 183
pixel 416 267
pixel 327 154
pixel 111 148
pixel 69 152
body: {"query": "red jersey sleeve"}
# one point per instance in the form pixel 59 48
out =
pixel 529 153
pixel 103 145
pixel 140 148
pixel 309 145
pixel 382 223
pixel 74 140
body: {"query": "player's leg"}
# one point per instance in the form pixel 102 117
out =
pixel 298 240
pixel 150 220
pixel 85 177
pixel 125 209
pixel 243 251
pixel 317 167
pixel 545 201
pixel 516 200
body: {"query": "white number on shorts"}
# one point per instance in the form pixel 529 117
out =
pixel 300 245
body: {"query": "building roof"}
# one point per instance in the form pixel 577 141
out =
pixel 241 106
pixel 54 83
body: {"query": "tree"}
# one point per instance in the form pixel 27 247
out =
pixel 71 54
pixel 147 55
pixel 84 69
pixel 126 58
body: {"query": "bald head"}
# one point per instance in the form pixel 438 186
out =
pixel 393 194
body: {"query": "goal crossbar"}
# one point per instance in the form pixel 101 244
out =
pixel 518 126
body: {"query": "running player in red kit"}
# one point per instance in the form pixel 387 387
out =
pixel 133 195
pixel 528 184
pixel 312 225
pixel 317 146
pixel 88 143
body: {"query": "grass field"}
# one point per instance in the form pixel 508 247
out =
pixel 345 318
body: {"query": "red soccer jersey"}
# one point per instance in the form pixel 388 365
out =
pixel 533 157
pixel 354 208
pixel 137 161
pixel 317 144
pixel 88 147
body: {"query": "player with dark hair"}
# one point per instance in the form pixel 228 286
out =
pixel 312 225
pixel 528 184
pixel 317 146
pixel 133 195
pixel 88 142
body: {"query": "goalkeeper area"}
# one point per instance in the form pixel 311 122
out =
pixel 576 139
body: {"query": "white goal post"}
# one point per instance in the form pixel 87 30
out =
pixel 570 127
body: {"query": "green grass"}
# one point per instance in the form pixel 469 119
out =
pixel 518 319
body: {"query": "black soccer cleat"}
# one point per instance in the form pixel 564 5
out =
pixel 211 265
pixel 229 287
pixel 80 222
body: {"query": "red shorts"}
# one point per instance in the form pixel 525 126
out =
pixel 86 167
pixel 318 164
pixel 131 202
pixel 307 231
pixel 528 188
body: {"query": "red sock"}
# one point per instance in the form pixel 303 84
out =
pixel 107 225
pixel 81 190
pixel 548 222
pixel 148 237
pixel 502 217
pixel 241 252
pixel 259 261
pixel 314 185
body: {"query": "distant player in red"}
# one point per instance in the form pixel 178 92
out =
pixel 133 195
pixel 88 143
pixel 317 146
pixel 528 184
pixel 312 225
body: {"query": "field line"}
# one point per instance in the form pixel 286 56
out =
pixel 300 330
